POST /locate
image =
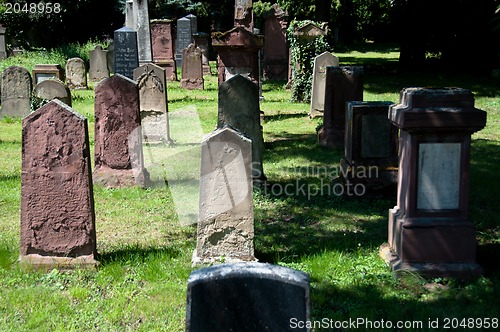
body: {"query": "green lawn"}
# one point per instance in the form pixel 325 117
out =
pixel 145 246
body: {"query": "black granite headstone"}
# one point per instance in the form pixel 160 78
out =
pixel 247 297
pixel 126 54
pixel 184 38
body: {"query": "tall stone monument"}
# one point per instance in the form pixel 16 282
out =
pixel 275 51
pixel 429 229
pixel 57 204
pixel 140 14
pixel 226 222
pixel 243 14
pixel 118 139
pixel 126 53
pixel 184 38
pixel 16 88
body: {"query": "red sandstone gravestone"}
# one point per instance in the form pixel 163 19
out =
pixel 275 53
pixel 57 205
pixel 162 44
pixel 118 139
pixel 192 68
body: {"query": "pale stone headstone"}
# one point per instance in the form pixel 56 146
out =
pixel 192 68
pixel 248 297
pixel 319 80
pixel 152 83
pixel 16 87
pixel 226 222
pixel 239 108
pixel 118 139
pixel 3 50
pixel 129 14
pixel 243 14
pixel 76 74
pixel 110 56
pixel 126 52
pixel 57 205
pixel 141 22
pixel 98 68
pixel 184 38
pixel 53 89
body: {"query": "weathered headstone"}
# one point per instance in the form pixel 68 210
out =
pixel 322 61
pixel 247 297
pixel 57 205
pixel 343 84
pixel 43 72
pixel 153 103
pixel 162 44
pixel 126 54
pixel 371 149
pixel 184 38
pixel 194 23
pixel 140 13
pixel 243 14
pixel 192 68
pixel 202 40
pixel 98 68
pixel 239 108
pixel 429 229
pixel 118 139
pixel 16 87
pixel 3 49
pixel 110 56
pixel 53 89
pixel 76 74
pixel 237 53
pixel 226 222
pixel 275 52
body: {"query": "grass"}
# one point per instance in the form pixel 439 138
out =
pixel 145 247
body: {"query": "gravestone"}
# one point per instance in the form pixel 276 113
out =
pixel 118 140
pixel 16 87
pixel 110 57
pixel 275 52
pixel 194 23
pixel 57 205
pixel 239 108
pixel 153 103
pixel 247 297
pixel 429 229
pixel 371 149
pixel 318 82
pixel 343 84
pixel 52 89
pixel 126 56
pixel 98 69
pixel 237 54
pixel 226 222
pixel 3 49
pixel 140 13
pixel 202 40
pixel 192 68
pixel 43 72
pixel 243 14
pixel 76 74
pixel 184 38
pixel 162 44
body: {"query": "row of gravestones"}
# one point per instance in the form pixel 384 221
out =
pixel 419 147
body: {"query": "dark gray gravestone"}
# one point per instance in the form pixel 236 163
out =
pixel 247 297
pixel 184 38
pixel 126 56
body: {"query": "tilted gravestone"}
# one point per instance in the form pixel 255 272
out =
pixel 16 87
pixel 247 297
pixel 98 68
pixel 76 74
pixel 126 53
pixel 239 108
pixel 226 222
pixel 53 89
pixel 192 68
pixel 153 103
pixel 57 205
pixel 184 38
pixel 118 139
pixel 343 84
pixel 318 82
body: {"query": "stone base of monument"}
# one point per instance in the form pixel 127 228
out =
pixel 207 70
pixel 116 178
pixel 465 271
pixel 197 261
pixel 38 262
pixel 331 138
pixel 170 67
pixel 372 180
pixel 192 84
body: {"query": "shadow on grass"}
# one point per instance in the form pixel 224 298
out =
pixel 280 117
pixel 138 254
